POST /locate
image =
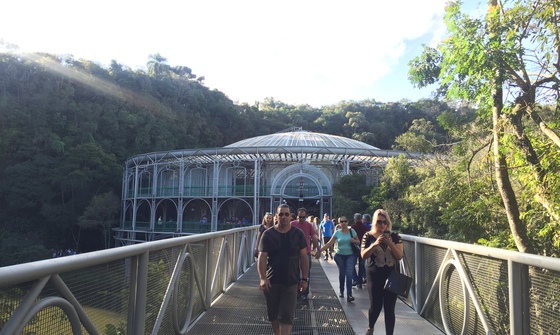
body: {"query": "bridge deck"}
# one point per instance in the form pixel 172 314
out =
pixel 242 310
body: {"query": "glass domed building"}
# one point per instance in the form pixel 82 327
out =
pixel 182 192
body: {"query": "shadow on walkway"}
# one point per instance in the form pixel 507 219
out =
pixel 241 310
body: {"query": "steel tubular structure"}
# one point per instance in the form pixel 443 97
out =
pixel 225 266
pixel 460 288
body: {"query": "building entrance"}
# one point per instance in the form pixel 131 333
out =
pixel 313 206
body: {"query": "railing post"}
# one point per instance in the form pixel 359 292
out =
pixel 233 258
pixel 519 302
pixel 515 298
pixel 526 288
pixel 132 284
pixel 209 272
pixel 142 290
pixel 419 275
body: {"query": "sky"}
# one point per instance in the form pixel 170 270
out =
pixel 298 52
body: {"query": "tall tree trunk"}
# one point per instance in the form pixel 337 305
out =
pixel 516 225
pixel 526 148
pixel 518 229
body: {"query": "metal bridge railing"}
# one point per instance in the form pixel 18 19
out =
pixel 468 289
pixel 160 287
pixel 150 288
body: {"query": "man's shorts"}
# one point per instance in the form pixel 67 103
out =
pixel 281 302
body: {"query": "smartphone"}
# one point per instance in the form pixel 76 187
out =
pixel 387 233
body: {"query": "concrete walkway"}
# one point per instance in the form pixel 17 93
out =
pixel 408 321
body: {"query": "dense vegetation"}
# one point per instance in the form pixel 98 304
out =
pixel 66 126
pixel 495 180
pixel 501 183
pixel 492 176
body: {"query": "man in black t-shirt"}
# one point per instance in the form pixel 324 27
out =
pixel 283 254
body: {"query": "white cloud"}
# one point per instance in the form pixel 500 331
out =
pixel 316 52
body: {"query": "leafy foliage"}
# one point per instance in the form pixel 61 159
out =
pixel 506 62
pixel 347 195
pixel 67 124
pixel 102 212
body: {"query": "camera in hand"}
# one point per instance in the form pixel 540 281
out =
pixel 387 233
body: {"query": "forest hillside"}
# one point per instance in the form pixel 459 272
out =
pixel 67 125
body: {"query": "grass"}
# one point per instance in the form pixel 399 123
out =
pixel 53 321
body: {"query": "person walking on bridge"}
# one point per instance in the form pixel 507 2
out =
pixel 360 229
pixel 282 257
pixel 344 257
pixel 382 249
pixel 267 222
pixel 310 237
pixel 327 230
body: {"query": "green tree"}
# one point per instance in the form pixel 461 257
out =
pixel 348 194
pixel 482 57
pixel 391 195
pixel 102 213
pixel 157 65
pixel 17 249
pixel 420 137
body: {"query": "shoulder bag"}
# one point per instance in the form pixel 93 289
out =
pixel 398 283
pixel 355 249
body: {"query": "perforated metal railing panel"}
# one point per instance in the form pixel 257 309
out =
pixel 242 310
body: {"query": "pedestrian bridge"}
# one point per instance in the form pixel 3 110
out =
pixel 207 284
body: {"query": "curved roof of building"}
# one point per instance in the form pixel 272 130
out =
pixel 290 146
pixel 300 138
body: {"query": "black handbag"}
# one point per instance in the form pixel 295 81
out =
pixel 355 249
pixel 398 283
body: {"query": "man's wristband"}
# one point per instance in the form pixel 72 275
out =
pixel 305 279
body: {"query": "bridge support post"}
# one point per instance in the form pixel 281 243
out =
pixel 209 273
pixel 419 276
pixel 138 286
pixel 518 298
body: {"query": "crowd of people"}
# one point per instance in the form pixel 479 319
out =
pixel 62 252
pixel 365 253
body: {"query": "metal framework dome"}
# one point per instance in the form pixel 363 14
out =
pixel 180 192
pixel 297 137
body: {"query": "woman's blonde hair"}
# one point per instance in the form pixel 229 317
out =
pixel 383 213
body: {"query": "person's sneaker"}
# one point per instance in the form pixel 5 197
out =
pixel 326 258
pixel 359 286
pixel 350 299
pixel 354 283
pixel 341 295
pixel 369 331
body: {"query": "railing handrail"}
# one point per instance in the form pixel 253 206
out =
pixel 506 278
pixel 15 274
pixel 497 253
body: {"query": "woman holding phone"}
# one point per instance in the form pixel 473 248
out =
pixel 381 249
